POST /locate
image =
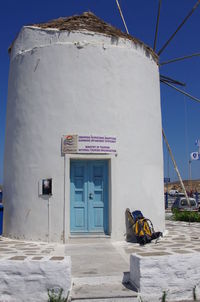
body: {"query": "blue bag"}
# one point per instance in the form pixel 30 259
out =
pixel 137 215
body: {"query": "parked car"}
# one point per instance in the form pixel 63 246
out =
pixel 173 192
pixel 181 194
pixel 181 204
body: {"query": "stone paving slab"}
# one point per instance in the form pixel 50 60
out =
pixel 21 250
pixel 95 259
pixel 181 238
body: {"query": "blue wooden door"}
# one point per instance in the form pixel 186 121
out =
pixel 89 196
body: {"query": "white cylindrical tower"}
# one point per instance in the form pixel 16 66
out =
pixel 81 76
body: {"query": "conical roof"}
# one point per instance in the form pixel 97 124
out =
pixel 86 21
pixel 90 22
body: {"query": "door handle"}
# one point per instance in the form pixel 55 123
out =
pixel 90 196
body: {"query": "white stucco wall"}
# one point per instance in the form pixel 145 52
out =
pixel 80 83
pixel 176 274
pixel 30 280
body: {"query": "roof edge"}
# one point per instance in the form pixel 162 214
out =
pixel 89 22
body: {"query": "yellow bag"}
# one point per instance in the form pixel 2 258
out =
pixel 143 230
pixel 141 227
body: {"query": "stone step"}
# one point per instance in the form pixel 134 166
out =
pixel 124 299
pixel 102 288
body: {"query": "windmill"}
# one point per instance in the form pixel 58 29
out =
pixel 168 81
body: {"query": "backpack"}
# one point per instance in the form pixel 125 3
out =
pixel 130 236
pixel 139 228
pixel 131 219
pixel 137 215
pixel 143 229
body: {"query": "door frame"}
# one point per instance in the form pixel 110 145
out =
pixel 88 187
pixel 66 206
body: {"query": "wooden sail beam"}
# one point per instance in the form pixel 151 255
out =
pixel 181 91
pixel 179 27
pixel 176 167
pixel 180 59
pixel 170 80
pixel 121 14
pixel 157 24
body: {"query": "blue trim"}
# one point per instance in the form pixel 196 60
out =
pixel 89 210
pixel 1 219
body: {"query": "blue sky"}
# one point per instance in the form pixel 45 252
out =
pixel 180 115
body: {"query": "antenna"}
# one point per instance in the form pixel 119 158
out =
pixel 157 23
pixel 179 27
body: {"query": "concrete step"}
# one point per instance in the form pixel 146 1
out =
pixel 103 288
pixel 125 299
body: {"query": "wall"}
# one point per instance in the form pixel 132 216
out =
pixel 80 83
pixel 29 280
pixel 177 275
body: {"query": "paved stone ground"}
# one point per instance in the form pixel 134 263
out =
pixel 181 238
pixel 101 263
pixel 20 250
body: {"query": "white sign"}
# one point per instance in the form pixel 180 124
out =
pixel 89 144
pixel 194 156
pixel 197 142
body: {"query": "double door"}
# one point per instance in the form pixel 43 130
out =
pixel 89 196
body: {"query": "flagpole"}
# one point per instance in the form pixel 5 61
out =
pixel 176 168
pixel 190 170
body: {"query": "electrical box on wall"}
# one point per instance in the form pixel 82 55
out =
pixel 45 186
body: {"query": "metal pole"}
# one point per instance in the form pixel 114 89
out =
pixel 49 220
pixel 190 170
pixel 64 205
pixel 175 167
pixel 167 163
pixel 190 175
pixel 167 193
